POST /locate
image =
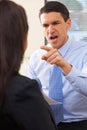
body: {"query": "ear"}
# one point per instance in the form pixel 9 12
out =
pixel 68 22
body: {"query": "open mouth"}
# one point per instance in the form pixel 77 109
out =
pixel 53 38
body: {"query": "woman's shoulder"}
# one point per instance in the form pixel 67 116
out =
pixel 20 83
pixel 21 88
pixel 24 101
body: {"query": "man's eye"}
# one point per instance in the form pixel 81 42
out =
pixel 45 25
pixel 55 23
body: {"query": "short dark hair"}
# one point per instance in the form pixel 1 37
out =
pixel 13 33
pixel 55 6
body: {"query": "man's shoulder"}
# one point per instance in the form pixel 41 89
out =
pixel 79 45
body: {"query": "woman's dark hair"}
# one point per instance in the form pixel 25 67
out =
pixel 13 33
pixel 55 6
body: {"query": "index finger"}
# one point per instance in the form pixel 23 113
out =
pixel 46 48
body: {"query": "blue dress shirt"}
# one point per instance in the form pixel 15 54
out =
pixel 74 84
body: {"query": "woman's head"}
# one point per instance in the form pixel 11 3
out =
pixel 13 33
pixel 13 37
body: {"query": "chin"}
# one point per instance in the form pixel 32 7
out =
pixel 54 45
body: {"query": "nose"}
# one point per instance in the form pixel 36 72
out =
pixel 51 29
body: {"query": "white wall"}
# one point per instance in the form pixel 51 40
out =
pixel 35 37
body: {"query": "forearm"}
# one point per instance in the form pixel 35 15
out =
pixel 78 80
